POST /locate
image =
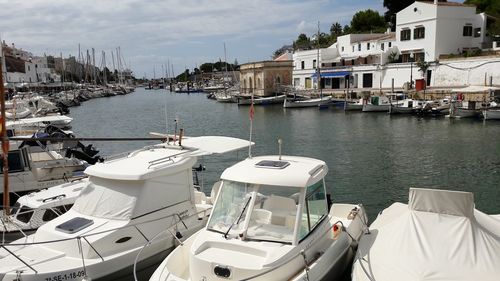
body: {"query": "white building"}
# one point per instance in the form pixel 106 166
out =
pixel 431 29
pixel 304 66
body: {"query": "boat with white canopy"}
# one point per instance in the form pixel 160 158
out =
pixel 271 221
pixel 37 208
pixel 125 204
pixel 439 235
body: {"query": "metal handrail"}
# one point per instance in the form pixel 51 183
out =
pixel 158 235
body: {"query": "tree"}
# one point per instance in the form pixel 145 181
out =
pixel 492 8
pixel 302 43
pixel 336 29
pixel 394 6
pixel 367 21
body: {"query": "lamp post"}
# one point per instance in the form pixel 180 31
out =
pixel 411 70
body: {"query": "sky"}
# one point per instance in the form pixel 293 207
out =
pixel 186 33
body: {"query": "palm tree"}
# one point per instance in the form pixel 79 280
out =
pixel 336 29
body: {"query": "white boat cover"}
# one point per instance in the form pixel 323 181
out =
pixel 437 236
pixel 475 89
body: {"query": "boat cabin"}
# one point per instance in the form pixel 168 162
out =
pixel 271 198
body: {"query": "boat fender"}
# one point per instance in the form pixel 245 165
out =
pixel 336 229
pixel 353 213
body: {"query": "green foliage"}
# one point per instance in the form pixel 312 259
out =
pixel 394 6
pixel 393 57
pixel 368 21
pixel 302 43
pixel 336 30
pixel 423 66
pixel 492 8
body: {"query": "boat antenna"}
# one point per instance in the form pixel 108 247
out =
pixel 251 113
pixel 166 116
pixel 5 141
pixel 318 66
pixel 279 148
pixel 175 128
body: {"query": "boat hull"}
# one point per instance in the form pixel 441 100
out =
pixel 401 110
pixel 375 108
pixel 305 103
pixel 353 107
pixel 463 113
pixel 490 114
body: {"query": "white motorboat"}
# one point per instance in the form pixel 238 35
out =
pixel 491 114
pixel 356 105
pixel 125 204
pixel 377 104
pixel 289 103
pixel 406 106
pixel 262 100
pixel 463 109
pixel 34 169
pixel 37 208
pixel 271 221
pixel 439 235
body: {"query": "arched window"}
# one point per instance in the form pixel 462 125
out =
pixel 278 80
pixel 244 85
pixel 259 86
pixel 250 84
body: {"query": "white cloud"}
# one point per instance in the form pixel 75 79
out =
pixel 184 30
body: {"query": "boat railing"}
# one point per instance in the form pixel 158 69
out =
pixel 167 230
pixel 84 237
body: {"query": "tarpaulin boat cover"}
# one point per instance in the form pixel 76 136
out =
pixel 439 235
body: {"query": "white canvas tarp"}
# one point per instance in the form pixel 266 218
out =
pixel 437 236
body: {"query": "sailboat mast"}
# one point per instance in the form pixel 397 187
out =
pixel 318 67
pixel 5 142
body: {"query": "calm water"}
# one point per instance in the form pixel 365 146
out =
pixel 373 157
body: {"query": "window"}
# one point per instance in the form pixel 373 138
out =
pixel 405 57
pixel 467 31
pixel 302 65
pixel 353 48
pixel 419 56
pixel 342 48
pixel 477 32
pixel 15 162
pixel 359 47
pixel 382 47
pixel 405 34
pixel 419 33
pixel 25 214
pixel 368 46
pixel 296 82
pixel 390 44
pixel 53 213
pixel 314 210
pixel 314 63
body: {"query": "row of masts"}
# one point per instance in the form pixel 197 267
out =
pixel 88 73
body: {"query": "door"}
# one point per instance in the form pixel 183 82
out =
pixel 367 80
pixel 308 83
pixel 336 83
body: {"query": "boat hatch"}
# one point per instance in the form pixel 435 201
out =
pixel 272 164
pixel 74 225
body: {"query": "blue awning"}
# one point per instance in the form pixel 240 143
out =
pixel 330 74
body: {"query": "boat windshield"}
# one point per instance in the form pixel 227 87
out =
pixel 263 212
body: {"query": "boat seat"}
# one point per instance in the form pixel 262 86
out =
pixel 214 192
pixel 281 208
pixel 199 197
pixel 260 216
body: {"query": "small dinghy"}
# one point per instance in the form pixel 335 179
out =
pixel 437 236
pixel 271 221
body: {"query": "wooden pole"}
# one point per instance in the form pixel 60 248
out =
pixel 5 146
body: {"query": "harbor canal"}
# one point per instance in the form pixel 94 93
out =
pixel 372 158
